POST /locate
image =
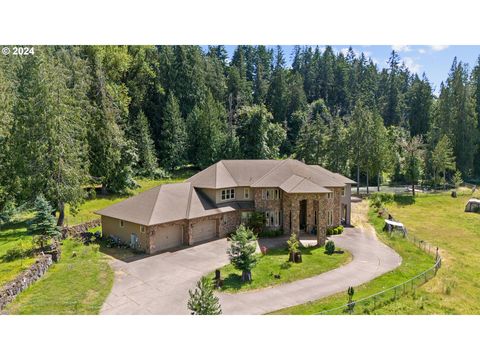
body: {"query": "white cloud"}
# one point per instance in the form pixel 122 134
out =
pixel 412 65
pixel 438 47
pixel 422 51
pixel 401 48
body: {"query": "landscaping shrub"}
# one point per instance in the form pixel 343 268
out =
pixel 13 254
pixel 335 231
pixel 256 221
pixel 378 200
pixel 330 247
pixel 271 233
pixel 329 231
pixel 293 245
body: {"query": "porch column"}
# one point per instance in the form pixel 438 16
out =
pixel 321 220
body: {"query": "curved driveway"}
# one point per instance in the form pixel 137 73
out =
pixel 371 258
pixel 159 284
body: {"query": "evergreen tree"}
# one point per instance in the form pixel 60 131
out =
pixel 48 136
pixel 243 244
pixel 456 116
pixel 173 140
pixel 112 155
pixel 277 92
pixel 476 99
pixel 147 159
pixel 207 132
pixel 43 225
pixel 419 99
pixel 202 300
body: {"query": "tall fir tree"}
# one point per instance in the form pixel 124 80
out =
pixel 173 140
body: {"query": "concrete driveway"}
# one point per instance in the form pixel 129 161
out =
pixel 159 284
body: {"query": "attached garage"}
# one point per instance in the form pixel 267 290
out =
pixel 204 230
pixel 167 237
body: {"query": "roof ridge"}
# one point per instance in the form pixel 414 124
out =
pixel 155 204
pixel 229 173
pixel 268 172
pixel 189 203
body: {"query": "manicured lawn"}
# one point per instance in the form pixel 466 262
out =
pixel 315 262
pixel 12 236
pixel 414 262
pixel 86 211
pixel 76 285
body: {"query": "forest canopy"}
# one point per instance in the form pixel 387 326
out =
pixel 78 116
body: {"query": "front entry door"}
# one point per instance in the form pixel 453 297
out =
pixel 303 215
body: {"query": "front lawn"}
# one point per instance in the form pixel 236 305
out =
pixel 275 262
pixel 78 284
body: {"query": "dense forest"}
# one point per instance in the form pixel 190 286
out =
pixel 74 117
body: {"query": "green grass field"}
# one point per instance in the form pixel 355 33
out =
pixel 440 220
pixel 275 262
pixel 75 285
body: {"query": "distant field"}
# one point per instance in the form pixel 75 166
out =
pixel 440 220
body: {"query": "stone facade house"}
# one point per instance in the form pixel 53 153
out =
pixel 294 197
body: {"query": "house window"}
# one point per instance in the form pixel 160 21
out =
pixel 142 229
pixel 122 224
pixel 246 193
pixel 272 218
pixel 245 216
pixel 270 194
pixel 228 194
pixel 343 191
pixel 329 195
pixel 330 218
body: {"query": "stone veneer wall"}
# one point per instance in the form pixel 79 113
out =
pixel 315 202
pixel 264 205
pixel 334 204
pixel 9 291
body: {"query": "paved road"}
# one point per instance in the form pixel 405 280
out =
pixel 159 284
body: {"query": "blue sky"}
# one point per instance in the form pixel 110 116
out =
pixel 435 61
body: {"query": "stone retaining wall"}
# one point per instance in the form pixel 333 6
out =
pixel 76 231
pixel 25 279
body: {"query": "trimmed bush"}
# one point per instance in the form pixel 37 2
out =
pixel 330 247
pixel 329 231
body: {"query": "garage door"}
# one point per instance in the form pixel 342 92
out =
pixel 168 237
pixel 204 230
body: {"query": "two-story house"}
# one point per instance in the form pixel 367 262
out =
pixel 293 196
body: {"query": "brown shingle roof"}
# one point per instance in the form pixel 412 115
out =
pixel 162 204
pixel 263 173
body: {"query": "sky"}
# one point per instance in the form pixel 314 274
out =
pixel 434 60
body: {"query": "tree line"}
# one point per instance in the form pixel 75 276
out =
pixel 78 116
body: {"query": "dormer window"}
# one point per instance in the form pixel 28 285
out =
pixel 228 194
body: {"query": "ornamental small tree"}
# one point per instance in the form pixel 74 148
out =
pixel 293 245
pixel 202 300
pixel 256 221
pixel 43 225
pixel 242 251
pixel 457 179
pixel 330 247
